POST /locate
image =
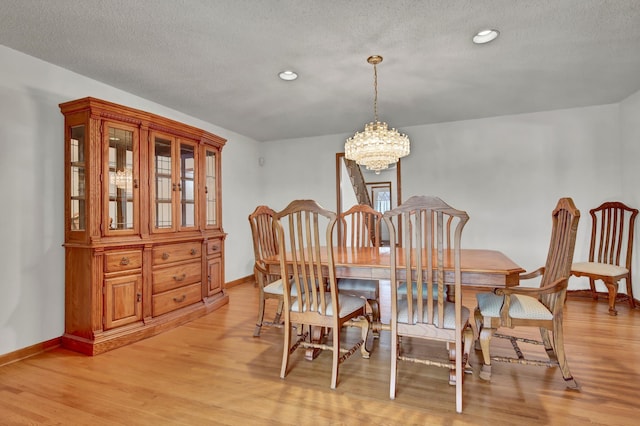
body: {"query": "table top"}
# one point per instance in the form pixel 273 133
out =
pixel 480 267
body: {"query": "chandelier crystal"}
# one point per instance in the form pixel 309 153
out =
pixel 377 146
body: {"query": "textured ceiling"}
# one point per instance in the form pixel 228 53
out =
pixel 218 60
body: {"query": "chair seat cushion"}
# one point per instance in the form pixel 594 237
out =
pixel 603 269
pixel 347 303
pixel 277 288
pixel 449 314
pixel 355 284
pixel 523 307
pixel 274 287
pixel 402 290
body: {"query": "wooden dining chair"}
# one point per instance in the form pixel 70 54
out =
pixel 425 261
pixel 305 233
pixel 265 245
pixel 612 228
pixel 360 228
pixel 540 307
pixel 446 237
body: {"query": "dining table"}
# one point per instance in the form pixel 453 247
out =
pixel 479 268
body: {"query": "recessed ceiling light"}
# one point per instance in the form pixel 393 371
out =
pixel 485 36
pixel 288 75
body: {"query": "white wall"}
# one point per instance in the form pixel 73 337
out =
pixel 32 209
pixel 300 169
pixel 630 136
pixel 507 172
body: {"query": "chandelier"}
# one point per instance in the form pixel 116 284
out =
pixel 377 146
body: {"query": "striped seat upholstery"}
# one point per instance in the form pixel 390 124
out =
pixel 449 315
pixel 524 307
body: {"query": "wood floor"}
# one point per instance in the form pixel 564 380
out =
pixel 212 371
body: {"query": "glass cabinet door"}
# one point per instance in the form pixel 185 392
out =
pixel 187 186
pixel 163 187
pixel 76 184
pixel 122 183
pixel 174 184
pixel 210 170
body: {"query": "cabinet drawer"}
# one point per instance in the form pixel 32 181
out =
pixel 214 247
pixel 177 298
pixel 169 253
pixel 176 276
pixel 122 260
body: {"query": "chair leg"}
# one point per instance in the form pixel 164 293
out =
pixel 336 358
pixel 558 344
pixel 592 285
pixel 484 337
pixel 256 332
pixel 459 373
pixel 394 365
pixel 613 293
pixel 632 302
pixel 286 348
pixel 548 346
pixel 276 319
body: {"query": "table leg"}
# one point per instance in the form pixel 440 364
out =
pixel 317 336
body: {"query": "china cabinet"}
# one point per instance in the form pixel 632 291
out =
pixel 144 243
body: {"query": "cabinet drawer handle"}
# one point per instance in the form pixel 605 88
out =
pixel 215 248
pixel 180 278
pixel 193 251
pixel 124 261
pixel 165 255
pixel 180 299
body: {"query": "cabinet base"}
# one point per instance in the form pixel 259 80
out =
pixel 107 340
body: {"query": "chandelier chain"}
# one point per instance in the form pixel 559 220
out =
pixel 375 90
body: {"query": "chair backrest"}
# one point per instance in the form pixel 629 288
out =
pixel 447 231
pixel 612 227
pixel 263 233
pixel 565 219
pixel 305 233
pixel 428 257
pixel 360 227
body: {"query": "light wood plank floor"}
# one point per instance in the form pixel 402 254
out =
pixel 212 371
